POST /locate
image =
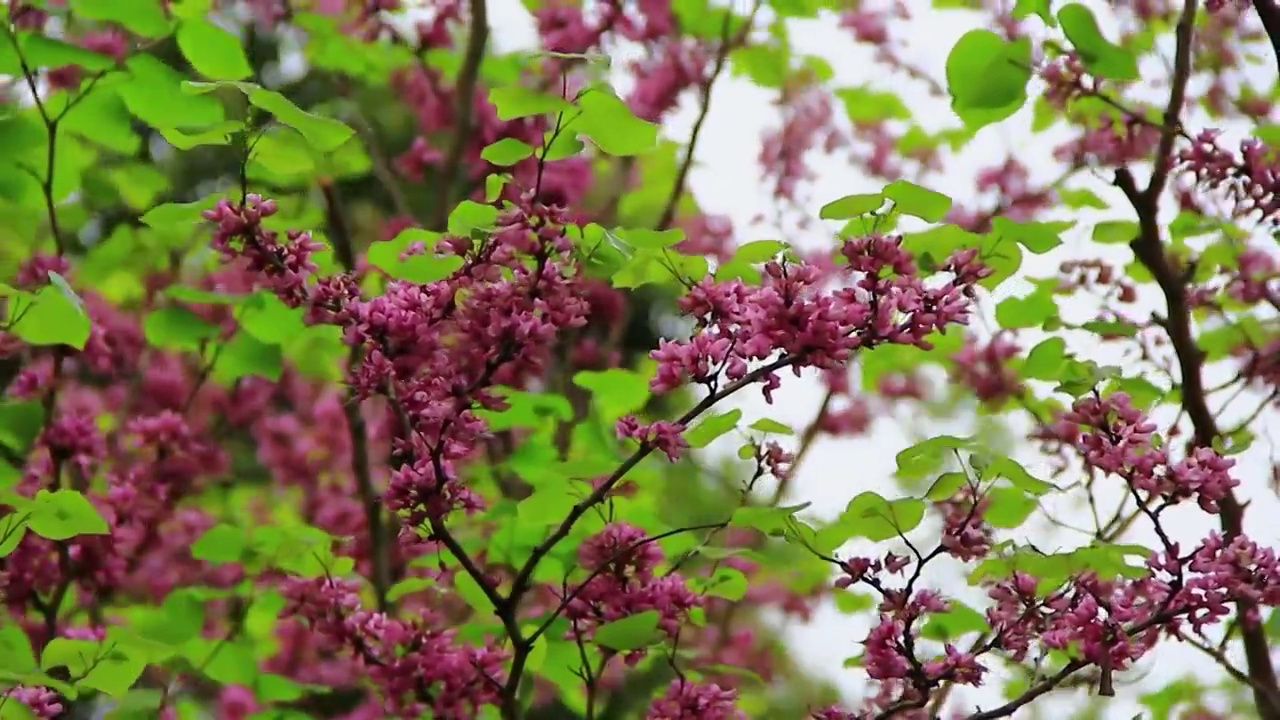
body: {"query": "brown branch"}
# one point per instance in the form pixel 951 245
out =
pixel 682 175
pixel 343 249
pixel 467 77
pixel 1269 13
pixel 1149 249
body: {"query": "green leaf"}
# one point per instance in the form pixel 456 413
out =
pixel 705 432
pixel 1008 507
pixel 911 199
pixel 178 619
pixel 609 123
pixel 245 356
pixel 1098 54
pixel 987 77
pixel 644 239
pixel 946 486
pixel 864 105
pixel 153 93
pixel 851 206
pixel 470 215
pixel 873 517
pixel 64 514
pixel 1115 232
pixel 728 583
pixel 1030 311
pixel 50 316
pixel 322 133
pixel 923 458
pixel 46 52
pixel 507 151
pixel 957 620
pixel 758 251
pixel 175 328
pixel 615 392
pixel 220 544
pixel 212 51
pixel 20 424
pixel 529 410
pixel 629 633
pixel 766 425
pixel 1025 8
pixel 1081 198
pixel 1045 360
pixel 517 101
pixel 424 269
pixel 142 17
pixel 15 650
pixel 766 519
pixel 1037 237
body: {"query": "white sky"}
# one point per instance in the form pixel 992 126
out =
pixel 727 181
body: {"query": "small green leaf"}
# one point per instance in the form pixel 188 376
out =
pixel 1036 237
pixel 925 457
pixel 957 620
pixel 212 51
pixel 517 101
pixel 705 432
pixel 322 133
pixel 64 514
pixel 50 316
pixel 629 633
pixel 143 17
pixel 946 486
pixel 911 199
pixel 470 215
pixel 615 392
pixel 767 425
pixel 609 123
pixel 1045 360
pixel 987 77
pixel 1008 507
pixel 220 544
pixel 851 206
pixel 507 151
pixel 175 328
pixel 643 239
pixel 16 655
pixel 1025 8
pixel 766 519
pixel 20 424
pixel 1097 53
pixel 245 356
pixel 1114 232
pixel 1030 311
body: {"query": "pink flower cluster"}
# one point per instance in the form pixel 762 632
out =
pixel 1116 437
pixel 240 236
pixel 416 668
pixel 686 700
pixel 1250 180
pixel 791 320
pixel 986 369
pixel 624 582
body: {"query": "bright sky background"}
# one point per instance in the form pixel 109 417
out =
pixel 727 181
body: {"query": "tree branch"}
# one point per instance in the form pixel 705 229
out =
pixel 1269 13
pixel 1149 249
pixel 467 77
pixel 340 236
pixel 722 55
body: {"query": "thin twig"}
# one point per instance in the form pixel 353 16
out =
pixel 466 87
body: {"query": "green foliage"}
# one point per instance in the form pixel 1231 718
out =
pixel 987 77
pixel 1097 53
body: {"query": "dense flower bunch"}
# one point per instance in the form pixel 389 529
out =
pixel 419 466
